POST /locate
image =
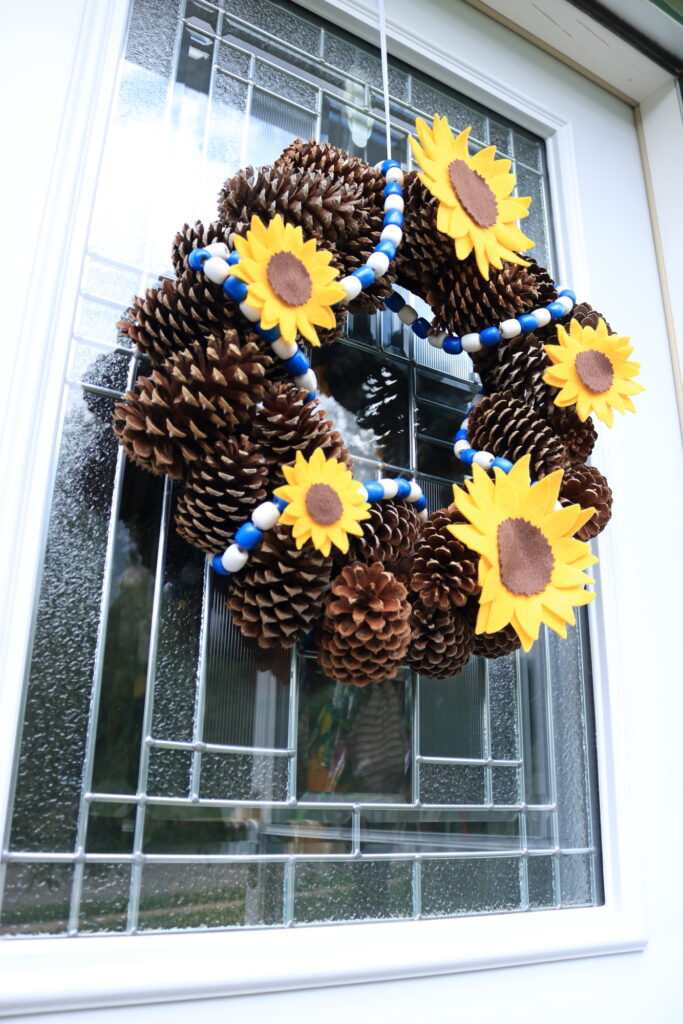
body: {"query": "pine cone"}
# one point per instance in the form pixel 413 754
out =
pixel 222 490
pixel 389 535
pixel 577 437
pixel 286 424
pixel 324 159
pixel 365 629
pixel 444 573
pixel 587 487
pixel 276 598
pixel 440 643
pixel 517 367
pixel 196 237
pixel 505 427
pixel 491 645
pixel 587 317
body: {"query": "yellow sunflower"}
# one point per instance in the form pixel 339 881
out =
pixel 325 502
pixel 475 205
pixel 288 280
pixel 530 565
pixel 592 370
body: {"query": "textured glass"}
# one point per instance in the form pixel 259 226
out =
pixel 169 772
pixel 274 124
pixel 276 21
pixel 503 708
pixel 452 714
pixel 429 101
pixel 501 138
pixel 424 831
pixel 470 886
pixel 110 827
pixel 104 898
pixel 541 881
pixel 576 880
pixel 452 784
pixel 364 66
pixel 535 225
pixel 506 785
pixel 36 899
pixel 110 281
pixel 535 725
pixel 529 152
pixel 285 85
pixel 97 320
pixel 243 777
pixel 100 367
pixel 372 890
pixel 227 124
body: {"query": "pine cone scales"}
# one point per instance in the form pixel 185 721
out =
pixel 365 629
pixel 517 367
pixel 444 571
pixel 440 643
pixel 195 237
pixel 577 436
pixel 507 428
pixel 222 490
pixel 286 424
pixel 389 535
pixel 491 645
pixel 587 487
pixel 276 598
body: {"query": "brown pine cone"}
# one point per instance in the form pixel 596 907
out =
pixel 586 315
pixel 508 429
pixel 286 424
pixel 324 159
pixel 222 491
pixel 578 437
pixel 517 367
pixel 444 571
pixel 365 629
pixel 440 642
pixel 389 535
pixel 195 237
pixel 587 487
pixel 277 597
pixel 491 645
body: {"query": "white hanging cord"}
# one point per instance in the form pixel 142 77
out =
pixel 385 72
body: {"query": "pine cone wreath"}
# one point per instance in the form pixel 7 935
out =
pixel 389 535
pixel 195 237
pixel 587 487
pixel 444 571
pixel 365 630
pixel 440 642
pixel 507 428
pixel 277 597
pixel 577 436
pixel 222 490
pixel 490 645
pixel 517 367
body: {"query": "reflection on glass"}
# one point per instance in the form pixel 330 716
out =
pixel 427 831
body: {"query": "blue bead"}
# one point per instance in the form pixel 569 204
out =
pixel 217 566
pixel 403 487
pixel 297 364
pixel 393 188
pixel 310 397
pixel 395 302
pixel 420 327
pixel 280 502
pixel 366 276
pixel 556 310
pixel 393 217
pixel 374 490
pixel 233 258
pixel 235 289
pixel 490 336
pixel 528 322
pixel 387 247
pixel 461 435
pixel 569 293
pixel 248 536
pixel 452 345
pixel 467 457
pixel 198 258
pixel 503 464
pixel 420 504
pixel 271 335
pixel 386 164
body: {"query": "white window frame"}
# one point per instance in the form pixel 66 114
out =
pixel 62 974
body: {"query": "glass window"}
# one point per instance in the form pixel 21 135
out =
pixel 168 775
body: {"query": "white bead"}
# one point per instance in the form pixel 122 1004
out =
pixel 394 203
pixel 234 559
pixel 216 269
pixel 217 249
pixel 351 286
pixel 460 446
pixel 308 381
pixel 465 423
pixel 509 329
pixel 542 316
pixel 566 303
pixel 390 488
pixel 379 261
pixel 470 342
pixel 436 340
pixel 265 516
pixel 415 492
pixel 407 315
pixel 251 314
pixel 423 515
pixel 284 349
pixel 391 233
pixel 484 459
pixel 394 174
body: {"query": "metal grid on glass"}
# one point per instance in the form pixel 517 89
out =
pixel 168 775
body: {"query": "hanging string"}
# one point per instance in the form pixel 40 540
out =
pixel 385 72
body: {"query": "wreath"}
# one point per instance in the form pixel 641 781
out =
pixel 231 408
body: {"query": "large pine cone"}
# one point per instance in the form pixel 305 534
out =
pixel 491 645
pixel 389 535
pixel 587 487
pixel 222 491
pixel 286 424
pixel 276 598
pixel 517 367
pixel 440 642
pixel 365 630
pixel 507 428
pixel 444 571
pixel 195 237
pixel 577 436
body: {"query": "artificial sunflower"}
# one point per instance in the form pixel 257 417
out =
pixel 530 565
pixel 475 205
pixel 289 281
pixel 325 503
pixel 592 369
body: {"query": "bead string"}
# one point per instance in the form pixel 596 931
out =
pixel 469 455
pixel 266 515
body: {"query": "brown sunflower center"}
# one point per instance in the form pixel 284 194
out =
pixel 289 279
pixel 595 370
pixel 525 556
pixel 323 504
pixel 474 194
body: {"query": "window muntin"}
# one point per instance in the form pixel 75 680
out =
pixel 225 787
